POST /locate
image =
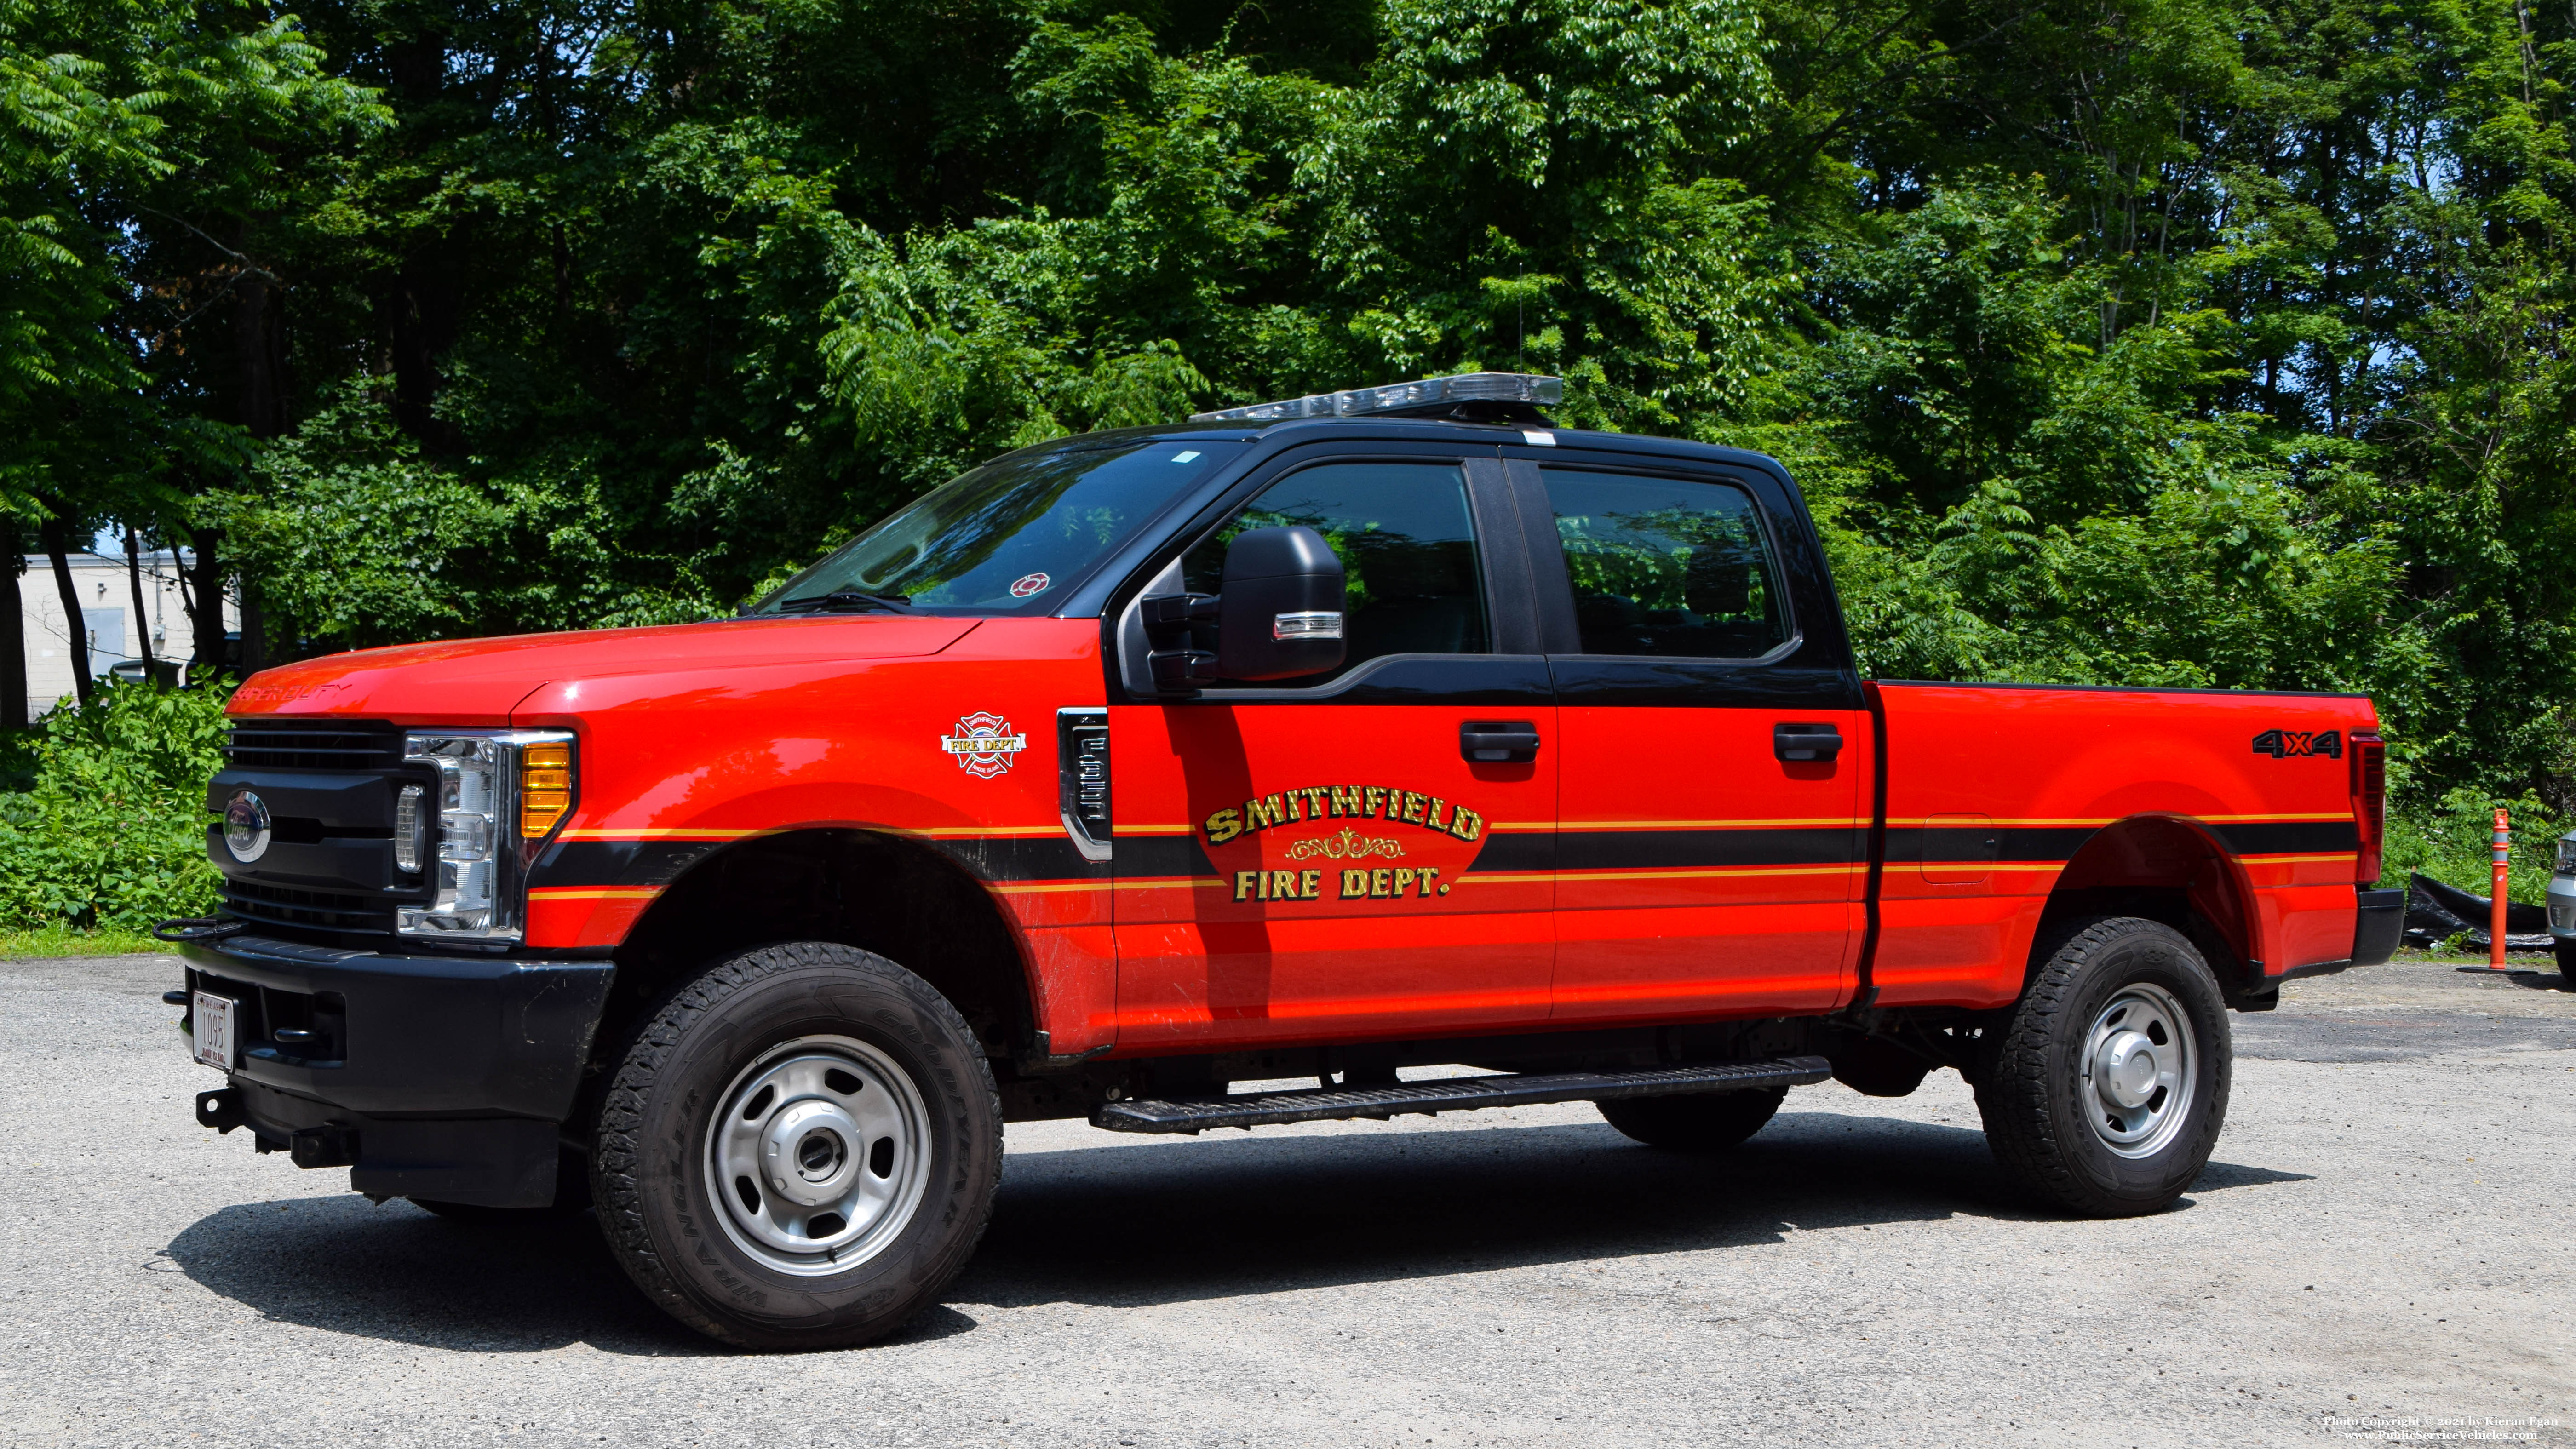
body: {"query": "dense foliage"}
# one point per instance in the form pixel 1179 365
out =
pixel 109 829
pixel 2208 342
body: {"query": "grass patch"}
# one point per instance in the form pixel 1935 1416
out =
pixel 67 941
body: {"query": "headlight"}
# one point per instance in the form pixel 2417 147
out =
pixel 492 791
pixel 2567 853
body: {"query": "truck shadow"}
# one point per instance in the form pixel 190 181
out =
pixel 1159 1222
pixel 1219 1217
pixel 396 1272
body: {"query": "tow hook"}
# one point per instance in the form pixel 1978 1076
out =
pixel 220 1109
pixel 323 1147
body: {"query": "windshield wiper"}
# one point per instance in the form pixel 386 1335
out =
pixel 848 600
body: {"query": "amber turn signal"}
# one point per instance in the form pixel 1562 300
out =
pixel 545 787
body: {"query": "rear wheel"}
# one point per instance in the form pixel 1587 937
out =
pixel 1694 1121
pixel 2110 1083
pixel 800 1149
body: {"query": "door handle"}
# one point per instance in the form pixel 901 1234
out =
pixel 1806 741
pixel 1498 741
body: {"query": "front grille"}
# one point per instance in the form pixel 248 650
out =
pixel 277 744
pixel 314 910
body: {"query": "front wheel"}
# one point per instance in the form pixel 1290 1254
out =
pixel 2110 1083
pixel 2565 950
pixel 800 1149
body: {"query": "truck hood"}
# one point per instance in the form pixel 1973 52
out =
pixel 478 681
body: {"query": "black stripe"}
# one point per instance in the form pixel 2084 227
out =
pixel 618 862
pixel 1020 857
pixel 1973 844
pixel 2291 837
pixel 1143 856
pixel 596 863
pixel 1654 849
pixel 1515 852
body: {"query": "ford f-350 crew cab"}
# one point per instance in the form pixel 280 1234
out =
pixel 1324 739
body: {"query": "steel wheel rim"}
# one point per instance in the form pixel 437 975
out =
pixel 2140 1071
pixel 818 1155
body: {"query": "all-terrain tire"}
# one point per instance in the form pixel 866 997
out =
pixel 660 1150
pixel 2565 951
pixel 2061 1062
pixel 1694 1121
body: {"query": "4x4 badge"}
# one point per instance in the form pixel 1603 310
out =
pixel 2299 744
pixel 983 744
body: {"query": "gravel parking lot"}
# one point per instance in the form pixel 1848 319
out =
pixel 2382 1241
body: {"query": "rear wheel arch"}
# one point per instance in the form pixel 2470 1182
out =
pixel 896 897
pixel 2166 868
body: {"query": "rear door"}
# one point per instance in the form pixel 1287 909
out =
pixel 1711 852
pixel 1330 859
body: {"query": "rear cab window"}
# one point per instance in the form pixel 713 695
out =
pixel 1666 567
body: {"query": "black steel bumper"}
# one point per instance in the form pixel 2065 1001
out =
pixel 430 1076
pixel 2381 926
pixel 2378 926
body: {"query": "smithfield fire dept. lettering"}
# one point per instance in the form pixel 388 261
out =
pixel 1387 883
pixel 1344 802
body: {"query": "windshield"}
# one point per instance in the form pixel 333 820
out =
pixel 1009 537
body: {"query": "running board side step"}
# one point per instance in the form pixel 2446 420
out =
pixel 1453 1094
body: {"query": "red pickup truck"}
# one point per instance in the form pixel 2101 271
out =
pixel 1383 730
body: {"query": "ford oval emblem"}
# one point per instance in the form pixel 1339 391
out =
pixel 246 826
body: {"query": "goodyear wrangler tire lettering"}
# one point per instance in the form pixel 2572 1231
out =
pixel 732 1042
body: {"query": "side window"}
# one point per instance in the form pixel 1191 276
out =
pixel 1666 567
pixel 1407 545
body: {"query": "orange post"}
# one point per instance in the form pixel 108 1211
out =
pixel 2495 916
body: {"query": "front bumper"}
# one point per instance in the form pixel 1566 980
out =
pixel 431 1076
pixel 2562 906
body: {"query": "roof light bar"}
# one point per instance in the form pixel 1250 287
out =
pixel 1504 387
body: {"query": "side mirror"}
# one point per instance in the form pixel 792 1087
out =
pixel 1280 612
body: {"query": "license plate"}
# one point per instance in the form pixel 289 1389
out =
pixel 214 1025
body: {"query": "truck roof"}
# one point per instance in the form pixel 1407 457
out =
pixel 1489 408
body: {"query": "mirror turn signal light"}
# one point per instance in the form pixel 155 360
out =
pixel 545 786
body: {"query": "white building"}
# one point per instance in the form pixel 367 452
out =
pixel 107 618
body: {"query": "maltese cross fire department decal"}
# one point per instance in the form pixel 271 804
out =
pixel 983 744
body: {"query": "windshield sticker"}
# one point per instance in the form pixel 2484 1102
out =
pixel 984 745
pixel 1027 584
pixel 1185 455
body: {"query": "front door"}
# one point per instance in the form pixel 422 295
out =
pixel 1333 859
pixel 1711 852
